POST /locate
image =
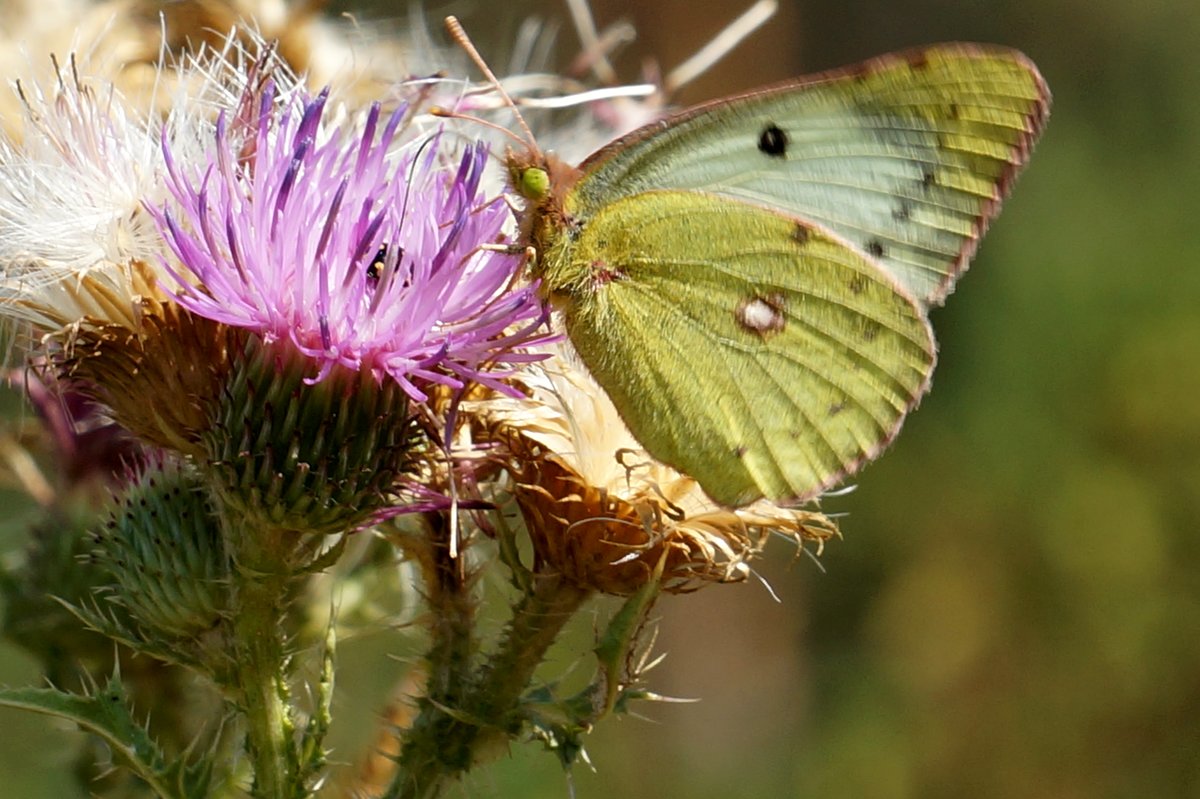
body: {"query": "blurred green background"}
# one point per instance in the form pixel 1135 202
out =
pixel 1014 610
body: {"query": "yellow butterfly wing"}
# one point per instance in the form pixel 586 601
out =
pixel 906 157
pixel 755 352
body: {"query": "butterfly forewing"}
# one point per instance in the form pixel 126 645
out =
pixel 756 352
pixel 906 157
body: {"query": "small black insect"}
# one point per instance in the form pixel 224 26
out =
pixel 375 268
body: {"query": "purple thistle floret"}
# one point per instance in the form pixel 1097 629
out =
pixel 359 250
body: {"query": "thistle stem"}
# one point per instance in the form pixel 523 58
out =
pixel 536 624
pixel 453 614
pixel 260 680
pixel 454 733
pixel 259 663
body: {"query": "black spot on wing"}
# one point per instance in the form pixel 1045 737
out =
pixel 773 141
pixel 875 248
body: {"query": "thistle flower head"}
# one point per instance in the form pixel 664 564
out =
pixel 73 232
pixel 80 171
pixel 351 247
pixel 164 553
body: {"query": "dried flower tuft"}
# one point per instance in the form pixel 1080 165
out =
pixel 602 512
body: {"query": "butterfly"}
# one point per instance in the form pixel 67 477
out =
pixel 749 279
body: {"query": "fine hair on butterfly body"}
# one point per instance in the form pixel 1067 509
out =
pixel 749 279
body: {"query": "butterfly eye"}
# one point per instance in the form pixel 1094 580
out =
pixel 535 183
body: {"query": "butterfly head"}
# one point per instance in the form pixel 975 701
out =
pixel 529 176
pixel 540 179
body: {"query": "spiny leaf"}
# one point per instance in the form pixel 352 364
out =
pixel 121 630
pixel 620 638
pixel 106 714
pixel 312 749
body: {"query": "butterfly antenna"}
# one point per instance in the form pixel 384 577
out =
pixel 455 29
pixel 447 113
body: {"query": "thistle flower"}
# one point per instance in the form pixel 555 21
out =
pixel 603 513
pixel 77 176
pixel 78 249
pixel 81 256
pixel 353 256
pixel 74 238
pixel 164 554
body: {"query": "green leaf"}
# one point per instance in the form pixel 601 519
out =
pixel 116 625
pixel 312 754
pixel 620 638
pixel 107 714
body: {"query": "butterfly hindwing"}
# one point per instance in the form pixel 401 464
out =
pixel 906 157
pixel 754 351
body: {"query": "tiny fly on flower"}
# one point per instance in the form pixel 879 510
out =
pixel 376 266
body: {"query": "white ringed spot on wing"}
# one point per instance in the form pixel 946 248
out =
pixel 761 315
